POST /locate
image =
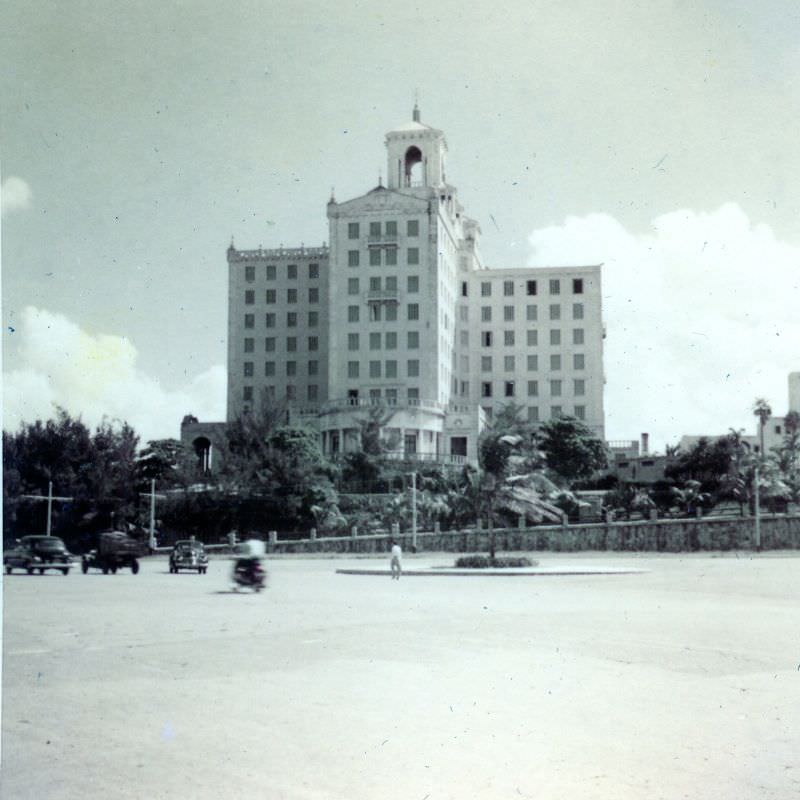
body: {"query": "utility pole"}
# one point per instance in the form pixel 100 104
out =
pixel 153 498
pixel 757 510
pixel 413 512
pixel 50 497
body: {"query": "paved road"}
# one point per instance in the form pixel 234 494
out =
pixel 680 682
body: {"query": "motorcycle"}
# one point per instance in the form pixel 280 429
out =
pixel 248 572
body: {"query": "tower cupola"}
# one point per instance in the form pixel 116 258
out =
pixel 416 155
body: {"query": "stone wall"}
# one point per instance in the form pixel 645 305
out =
pixel 671 536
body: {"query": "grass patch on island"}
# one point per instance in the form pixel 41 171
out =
pixel 484 562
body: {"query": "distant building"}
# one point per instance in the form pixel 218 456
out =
pixel 400 312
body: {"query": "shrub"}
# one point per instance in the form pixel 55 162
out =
pixel 484 562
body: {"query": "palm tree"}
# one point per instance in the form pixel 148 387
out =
pixel 762 409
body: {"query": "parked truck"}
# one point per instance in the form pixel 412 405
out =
pixel 115 550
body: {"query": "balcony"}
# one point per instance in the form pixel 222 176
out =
pixel 382 240
pixel 353 403
pixel 382 296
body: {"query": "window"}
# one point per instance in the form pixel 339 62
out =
pixel 464 289
pixel 486 313
pixel 352 230
pixel 412 284
pixel 312 392
pixel 486 389
pixel 391 227
pixel 509 388
pixel 412 368
pixel 413 395
pixel 555 388
pixel 352 286
pixel 463 337
pixel 508 288
pixel 391 257
pixel 391 340
pixel 313 294
pixel 313 367
pixel 508 363
pixel 533 363
pixel 272 272
pixel 269 368
pixel 313 344
pixel 352 258
pixel 577 311
pixel 533 388
pixel 291 392
pixel 391 312
pixel 413 255
pixel 271 296
pixel 555 336
pixel 250 320
pixel 577 286
pixel 352 341
pixel 555 286
pixel 391 369
pixel 508 313
pixel 580 413
pixel 374 284
pixel 463 314
pixel 291 368
pixel 579 387
pixel 577 336
pixel 375 257
pixel 374 229
pixel 555 412
pixel 486 289
pixel 313 271
pixel 412 340
pixel 352 313
pixel 247 393
pixel 313 319
pixel 413 311
pixel 486 363
pixel 391 283
pixel 555 312
pixel 531 313
pixel 533 413
pixel 249 274
pixel 249 345
pixel 291 295
pixel 291 344
pixel 375 341
pixel 291 319
pixel 250 297
pixel 269 344
pixel 352 369
pixel 412 227
pixel 291 272
pixel 374 369
pixel 555 363
pixel 508 338
pixel 375 312
pixel 532 338
pixel 248 369
pixel 530 288
pixel 578 361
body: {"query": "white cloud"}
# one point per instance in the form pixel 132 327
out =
pixel 96 376
pixel 15 195
pixel 703 316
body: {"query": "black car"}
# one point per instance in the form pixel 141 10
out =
pixel 188 554
pixel 38 553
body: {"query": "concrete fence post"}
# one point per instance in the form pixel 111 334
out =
pixel 521 522
pixel 354 531
pixel 273 537
pixel 437 528
pixel 312 534
pixel 395 529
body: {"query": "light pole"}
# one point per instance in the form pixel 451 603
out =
pixel 757 510
pixel 50 497
pixel 413 512
pixel 153 498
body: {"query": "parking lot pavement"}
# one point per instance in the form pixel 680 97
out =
pixel 679 681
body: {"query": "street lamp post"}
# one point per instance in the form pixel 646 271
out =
pixel 413 512
pixel 757 509
pixel 50 497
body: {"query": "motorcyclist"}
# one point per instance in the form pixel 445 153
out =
pixel 247 569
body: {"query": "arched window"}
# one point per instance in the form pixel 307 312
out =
pixel 412 172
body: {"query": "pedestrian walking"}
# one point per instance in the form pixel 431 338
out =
pixel 395 562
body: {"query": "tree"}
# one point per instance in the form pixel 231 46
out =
pixel 762 409
pixel 571 449
pixel 787 456
pixel 168 462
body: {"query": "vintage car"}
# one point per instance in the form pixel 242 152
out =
pixel 38 553
pixel 115 549
pixel 188 554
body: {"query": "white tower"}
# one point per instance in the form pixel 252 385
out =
pixel 416 155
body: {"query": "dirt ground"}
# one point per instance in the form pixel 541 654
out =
pixel 682 682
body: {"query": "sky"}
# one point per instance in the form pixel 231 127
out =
pixel 658 138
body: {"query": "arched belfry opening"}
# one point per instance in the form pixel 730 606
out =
pixel 413 167
pixel 202 449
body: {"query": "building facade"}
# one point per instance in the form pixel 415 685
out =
pixel 399 313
